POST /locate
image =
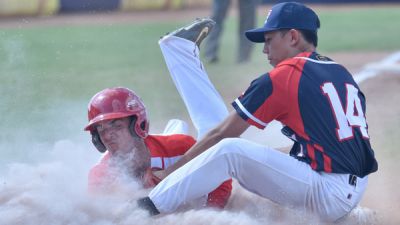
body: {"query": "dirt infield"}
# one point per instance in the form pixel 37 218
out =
pixel 383 120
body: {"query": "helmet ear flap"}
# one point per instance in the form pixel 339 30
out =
pixel 132 126
pixel 97 142
pixel 144 128
pixel 138 130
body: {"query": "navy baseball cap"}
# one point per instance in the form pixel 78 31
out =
pixel 286 15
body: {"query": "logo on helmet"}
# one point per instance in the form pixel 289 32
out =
pixel 132 104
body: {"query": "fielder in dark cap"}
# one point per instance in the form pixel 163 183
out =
pixel 322 110
pixel 291 15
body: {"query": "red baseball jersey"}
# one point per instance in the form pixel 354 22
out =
pixel 165 150
pixel 322 110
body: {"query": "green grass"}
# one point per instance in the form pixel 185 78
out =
pixel 48 74
pixel 360 30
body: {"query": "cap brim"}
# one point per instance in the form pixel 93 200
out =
pixel 257 35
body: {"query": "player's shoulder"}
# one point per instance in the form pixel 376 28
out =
pixel 286 68
pixel 303 57
pixel 262 79
pixel 296 63
pixel 101 167
pixel 169 145
pixel 310 57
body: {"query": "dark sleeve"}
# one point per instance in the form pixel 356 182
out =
pixel 250 104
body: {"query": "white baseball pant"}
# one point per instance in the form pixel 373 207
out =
pixel 259 169
pixel 203 102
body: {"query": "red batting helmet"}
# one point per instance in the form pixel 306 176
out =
pixel 114 103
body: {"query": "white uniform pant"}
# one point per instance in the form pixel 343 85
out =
pixel 259 169
pixel 263 171
pixel 203 102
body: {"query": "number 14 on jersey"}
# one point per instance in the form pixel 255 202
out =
pixel 348 117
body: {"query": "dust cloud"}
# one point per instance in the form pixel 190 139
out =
pixel 54 191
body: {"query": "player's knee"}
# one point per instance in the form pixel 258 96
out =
pixel 231 146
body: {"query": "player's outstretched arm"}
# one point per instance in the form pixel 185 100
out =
pixel 232 126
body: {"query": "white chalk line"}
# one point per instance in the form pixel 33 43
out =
pixel 388 64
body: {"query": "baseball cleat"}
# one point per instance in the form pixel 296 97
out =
pixel 196 31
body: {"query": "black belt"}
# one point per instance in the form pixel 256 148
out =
pixel 352 180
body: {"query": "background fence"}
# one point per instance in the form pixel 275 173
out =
pixel 50 7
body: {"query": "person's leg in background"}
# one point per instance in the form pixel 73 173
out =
pixel 247 21
pixel 219 12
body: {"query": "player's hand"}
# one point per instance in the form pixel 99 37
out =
pixel 149 179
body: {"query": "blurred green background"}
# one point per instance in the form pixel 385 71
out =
pixel 49 73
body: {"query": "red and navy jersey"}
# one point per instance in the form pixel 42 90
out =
pixel 322 110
